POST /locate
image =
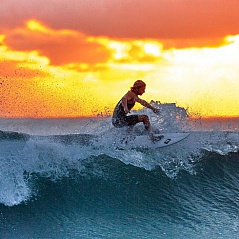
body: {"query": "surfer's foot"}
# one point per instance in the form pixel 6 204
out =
pixel 159 137
pixel 155 138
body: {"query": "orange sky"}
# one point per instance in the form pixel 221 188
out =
pixel 77 58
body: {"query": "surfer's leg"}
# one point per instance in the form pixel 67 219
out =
pixel 131 120
pixel 147 125
pixel 145 120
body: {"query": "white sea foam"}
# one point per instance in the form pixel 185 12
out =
pixel 56 157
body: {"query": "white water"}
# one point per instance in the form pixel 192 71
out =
pixel 54 159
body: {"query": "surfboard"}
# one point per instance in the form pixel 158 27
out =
pixel 143 141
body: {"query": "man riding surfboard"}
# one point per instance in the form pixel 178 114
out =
pixel 127 102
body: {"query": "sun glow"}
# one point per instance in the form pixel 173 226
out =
pixel 153 48
pixel 36 26
pixel 78 74
pixel 120 50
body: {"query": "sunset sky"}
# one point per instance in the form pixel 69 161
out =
pixel 77 58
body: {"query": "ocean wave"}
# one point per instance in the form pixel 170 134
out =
pixel 55 149
pixel 109 198
pixel 10 135
pixel 58 156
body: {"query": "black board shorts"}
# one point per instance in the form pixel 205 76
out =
pixel 125 121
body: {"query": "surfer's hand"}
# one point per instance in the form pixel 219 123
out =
pixel 156 111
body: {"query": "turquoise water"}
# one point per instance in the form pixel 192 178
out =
pixel 63 186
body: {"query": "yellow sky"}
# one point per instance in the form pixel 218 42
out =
pixel 47 72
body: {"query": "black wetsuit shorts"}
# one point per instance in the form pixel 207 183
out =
pixel 126 121
pixel 120 119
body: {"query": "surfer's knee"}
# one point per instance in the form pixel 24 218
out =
pixel 145 120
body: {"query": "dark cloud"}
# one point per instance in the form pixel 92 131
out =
pixel 165 19
pixel 60 47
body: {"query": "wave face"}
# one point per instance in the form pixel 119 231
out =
pixel 55 182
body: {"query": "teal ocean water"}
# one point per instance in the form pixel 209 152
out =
pixel 54 183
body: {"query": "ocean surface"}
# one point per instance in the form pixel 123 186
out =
pixel 56 182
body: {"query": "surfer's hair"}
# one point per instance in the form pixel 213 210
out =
pixel 137 84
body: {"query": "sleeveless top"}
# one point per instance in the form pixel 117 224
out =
pixel 119 114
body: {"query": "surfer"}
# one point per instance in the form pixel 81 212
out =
pixel 120 117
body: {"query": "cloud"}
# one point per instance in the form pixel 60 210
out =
pixel 15 69
pixel 165 19
pixel 79 51
pixel 17 64
pixel 60 46
pixel 49 72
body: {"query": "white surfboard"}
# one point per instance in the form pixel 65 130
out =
pixel 143 141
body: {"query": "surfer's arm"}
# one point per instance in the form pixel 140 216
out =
pixel 146 104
